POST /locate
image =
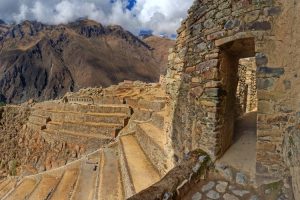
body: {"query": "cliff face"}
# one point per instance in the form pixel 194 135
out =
pixel 44 62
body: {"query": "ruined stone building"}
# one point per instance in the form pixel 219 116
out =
pixel 202 80
pixel 223 124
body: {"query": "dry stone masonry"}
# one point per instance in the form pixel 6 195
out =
pixel 223 123
pixel 202 80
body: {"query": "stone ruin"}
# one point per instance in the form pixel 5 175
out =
pixel 202 81
pixel 225 116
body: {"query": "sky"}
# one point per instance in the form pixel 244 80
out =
pixel 159 16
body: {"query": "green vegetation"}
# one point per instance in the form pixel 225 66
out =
pixel 2 103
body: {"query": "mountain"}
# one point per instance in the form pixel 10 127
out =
pixel 42 62
pixel 160 47
pixel 3 27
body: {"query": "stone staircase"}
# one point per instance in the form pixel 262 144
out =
pixel 102 122
pixel 136 160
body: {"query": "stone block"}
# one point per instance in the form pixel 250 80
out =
pixel 207 65
pixel 273 11
pixel 241 178
pixel 265 83
pixel 261 60
pixel 260 26
pixel 265 146
pixel 197 91
pixel 190 69
pixel 212 84
pixel 251 16
pixel 216 35
pixel 208 103
pixel 209 23
pixel 211 56
pixel 213 92
pixel 232 23
pixel 265 107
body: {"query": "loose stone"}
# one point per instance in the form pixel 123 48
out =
pixel 208 186
pixel 221 186
pixel 241 178
pixel 213 194
pixel 229 197
pixel 254 197
pixel 240 193
pixel 197 196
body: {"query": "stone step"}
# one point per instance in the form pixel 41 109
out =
pixel 109 130
pixel 35 126
pixel 65 187
pixel 45 187
pixel 116 108
pixel 153 141
pixel 110 185
pixel 53 125
pixel 4 183
pixel 132 102
pixel 85 187
pixel 138 168
pixel 158 119
pixel 154 105
pixel 142 114
pixel 38 119
pixel 55 115
pixel 77 134
pixel 110 100
pixel 7 187
pixel 24 189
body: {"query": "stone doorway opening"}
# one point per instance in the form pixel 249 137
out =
pixel 239 105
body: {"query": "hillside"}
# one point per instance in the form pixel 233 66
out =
pixel 41 62
pixel 161 48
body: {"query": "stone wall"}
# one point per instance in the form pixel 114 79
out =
pixel 215 35
pixel 247 90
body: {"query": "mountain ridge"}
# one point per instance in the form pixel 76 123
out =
pixel 41 62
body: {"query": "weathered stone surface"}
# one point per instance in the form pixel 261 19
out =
pixel 261 60
pixel 229 197
pixel 208 186
pixel 225 171
pixel 197 91
pixel 273 11
pixel 213 194
pixel 207 65
pixel 265 83
pixel 260 26
pixel 221 186
pixel 254 197
pixel 240 193
pixel 270 72
pixel 230 24
pixel 241 178
pixel 197 196
pixel 240 29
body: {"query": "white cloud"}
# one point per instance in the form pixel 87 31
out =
pixel 161 16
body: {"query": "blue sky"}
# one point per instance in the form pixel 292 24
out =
pixel 131 4
pixel 159 16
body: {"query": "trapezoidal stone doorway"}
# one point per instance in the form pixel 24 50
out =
pixel 238 113
pixel 233 101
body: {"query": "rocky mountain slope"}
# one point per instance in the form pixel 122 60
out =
pixel 41 62
pixel 161 48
